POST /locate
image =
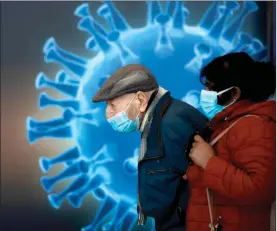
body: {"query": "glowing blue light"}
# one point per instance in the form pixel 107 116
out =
pixel 103 162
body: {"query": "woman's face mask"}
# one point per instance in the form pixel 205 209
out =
pixel 121 123
pixel 208 102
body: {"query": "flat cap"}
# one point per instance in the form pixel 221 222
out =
pixel 128 79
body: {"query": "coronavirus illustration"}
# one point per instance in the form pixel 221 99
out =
pixel 103 162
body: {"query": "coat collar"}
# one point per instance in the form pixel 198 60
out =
pixel 242 108
pixel 151 136
pixel 151 108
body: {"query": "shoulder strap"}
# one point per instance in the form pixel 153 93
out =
pixel 217 138
pixel 208 191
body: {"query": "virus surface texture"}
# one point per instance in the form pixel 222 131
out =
pixel 103 163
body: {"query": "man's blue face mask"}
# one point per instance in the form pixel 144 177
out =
pixel 121 123
pixel 208 102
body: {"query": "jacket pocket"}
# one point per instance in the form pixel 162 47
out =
pixel 159 191
pixel 162 177
pixel 157 171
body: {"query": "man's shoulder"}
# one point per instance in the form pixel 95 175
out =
pixel 178 109
pixel 180 113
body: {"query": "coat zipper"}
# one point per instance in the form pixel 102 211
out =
pixel 141 217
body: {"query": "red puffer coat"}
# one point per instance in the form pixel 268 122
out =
pixel 242 175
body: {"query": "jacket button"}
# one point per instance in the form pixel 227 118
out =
pixel 225 118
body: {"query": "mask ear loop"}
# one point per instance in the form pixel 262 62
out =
pixel 221 92
pixel 137 117
pixel 130 103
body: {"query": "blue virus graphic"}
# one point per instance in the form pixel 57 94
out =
pixel 103 163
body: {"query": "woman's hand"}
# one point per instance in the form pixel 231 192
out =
pixel 201 152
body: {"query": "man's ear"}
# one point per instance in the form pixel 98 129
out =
pixel 143 101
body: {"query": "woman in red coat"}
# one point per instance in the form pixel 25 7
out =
pixel 240 168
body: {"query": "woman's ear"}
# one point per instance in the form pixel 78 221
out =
pixel 236 93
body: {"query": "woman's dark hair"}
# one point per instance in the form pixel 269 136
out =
pixel 256 80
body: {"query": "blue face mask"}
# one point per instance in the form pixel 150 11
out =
pixel 121 123
pixel 208 102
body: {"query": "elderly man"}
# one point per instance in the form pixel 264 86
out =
pixel 135 102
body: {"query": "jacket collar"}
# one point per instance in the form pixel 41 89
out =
pixel 149 114
pixel 245 107
pixel 151 136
